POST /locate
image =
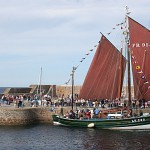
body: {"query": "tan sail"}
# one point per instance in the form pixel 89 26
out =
pixel 140 56
pixel 102 81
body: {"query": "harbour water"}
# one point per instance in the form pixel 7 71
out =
pixel 49 137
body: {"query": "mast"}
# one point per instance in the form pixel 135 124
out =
pixel 129 59
pixel 73 71
pixel 120 76
pixel 39 89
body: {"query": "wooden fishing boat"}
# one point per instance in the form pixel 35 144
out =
pixel 141 122
pixel 105 77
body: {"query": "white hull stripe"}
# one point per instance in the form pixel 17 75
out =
pixel 139 127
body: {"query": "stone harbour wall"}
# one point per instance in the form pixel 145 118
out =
pixel 25 116
pixel 34 115
pixel 28 116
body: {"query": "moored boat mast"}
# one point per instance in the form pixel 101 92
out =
pixel 128 57
pixel 72 75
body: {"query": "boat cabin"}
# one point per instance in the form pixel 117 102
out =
pixel 114 116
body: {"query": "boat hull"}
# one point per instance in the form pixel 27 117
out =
pixel 142 122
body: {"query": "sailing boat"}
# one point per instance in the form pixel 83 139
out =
pixel 104 79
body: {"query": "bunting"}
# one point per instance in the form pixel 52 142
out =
pixel 117 25
pixel 95 46
pixel 83 58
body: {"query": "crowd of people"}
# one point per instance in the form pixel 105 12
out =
pixel 83 113
pixel 46 100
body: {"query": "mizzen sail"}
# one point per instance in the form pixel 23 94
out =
pixel 140 57
pixel 101 81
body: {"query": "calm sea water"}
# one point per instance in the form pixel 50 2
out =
pixel 49 137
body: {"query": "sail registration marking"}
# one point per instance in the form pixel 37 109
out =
pixel 141 45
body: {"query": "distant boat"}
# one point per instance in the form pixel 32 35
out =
pixel 105 77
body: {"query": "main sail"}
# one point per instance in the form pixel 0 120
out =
pixel 102 80
pixel 140 57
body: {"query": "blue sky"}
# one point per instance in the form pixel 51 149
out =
pixel 56 35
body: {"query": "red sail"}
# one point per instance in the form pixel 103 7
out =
pixel 102 80
pixel 140 55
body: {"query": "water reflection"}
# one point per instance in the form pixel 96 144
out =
pixel 117 140
pixel 46 137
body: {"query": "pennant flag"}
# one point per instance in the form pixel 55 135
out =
pixel 108 33
pixel 91 49
pixel 128 13
pixel 117 24
pixel 124 32
pixel 83 58
pixel 113 28
pixel 143 77
pixel 87 54
pixel 140 72
pixel 137 67
pixel 95 45
pixel 146 82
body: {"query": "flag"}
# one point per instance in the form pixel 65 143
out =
pixel 124 32
pixel 91 49
pixel 132 57
pixel 137 67
pixel 146 82
pixel 108 33
pixel 143 77
pixel 87 54
pixel 140 72
pixel 128 13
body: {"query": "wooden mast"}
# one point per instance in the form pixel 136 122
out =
pixel 41 85
pixel 120 76
pixel 73 70
pixel 129 60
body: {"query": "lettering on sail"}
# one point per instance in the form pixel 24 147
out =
pixel 136 45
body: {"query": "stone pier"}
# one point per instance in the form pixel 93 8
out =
pixel 33 115
pixel 27 116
